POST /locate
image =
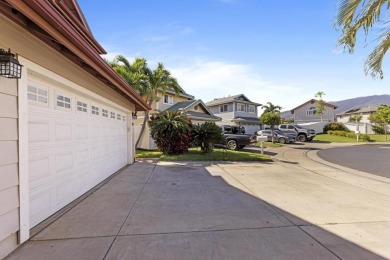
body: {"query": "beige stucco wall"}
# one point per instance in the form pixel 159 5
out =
pixel 9 181
pixel 300 114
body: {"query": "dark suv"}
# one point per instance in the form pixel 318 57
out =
pixel 301 134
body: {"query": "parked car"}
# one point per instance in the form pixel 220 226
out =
pixel 300 133
pixel 235 138
pixel 278 136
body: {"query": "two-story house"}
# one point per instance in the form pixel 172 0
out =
pixel 196 110
pixel 307 113
pixel 236 110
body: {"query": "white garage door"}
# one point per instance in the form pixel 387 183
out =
pixel 75 142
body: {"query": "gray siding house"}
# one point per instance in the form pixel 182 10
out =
pixel 236 110
pixel 307 113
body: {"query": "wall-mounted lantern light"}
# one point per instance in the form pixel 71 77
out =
pixel 9 66
pixel 134 114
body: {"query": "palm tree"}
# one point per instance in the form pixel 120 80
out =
pixel 133 73
pixel 148 83
pixel 271 108
pixel 158 80
pixel 320 108
pixel 354 15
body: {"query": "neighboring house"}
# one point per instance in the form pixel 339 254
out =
pixel 307 113
pixel 364 111
pixel 66 123
pixel 194 109
pixel 236 110
pixel 364 126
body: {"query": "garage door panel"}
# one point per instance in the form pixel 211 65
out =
pixel 63 131
pixel 39 131
pixel 39 167
pixel 82 131
pixel 64 161
pixel 65 190
pixel 40 204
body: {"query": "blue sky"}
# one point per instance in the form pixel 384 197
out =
pixel 272 51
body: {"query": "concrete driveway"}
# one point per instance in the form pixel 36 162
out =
pixel 294 208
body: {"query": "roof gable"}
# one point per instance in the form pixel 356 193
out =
pixel 230 99
pixel 312 101
pixel 193 107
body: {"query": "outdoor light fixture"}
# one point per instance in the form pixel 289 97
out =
pixel 134 114
pixel 9 66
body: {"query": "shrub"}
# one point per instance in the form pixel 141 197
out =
pixel 335 127
pixel 350 134
pixel 205 136
pixel 171 132
pixel 378 129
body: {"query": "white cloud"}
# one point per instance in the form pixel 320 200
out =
pixel 214 79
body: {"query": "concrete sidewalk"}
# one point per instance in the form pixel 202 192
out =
pixel 295 208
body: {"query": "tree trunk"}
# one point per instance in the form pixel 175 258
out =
pixel 146 118
pixel 272 134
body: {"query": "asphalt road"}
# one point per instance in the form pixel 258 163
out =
pixel 374 159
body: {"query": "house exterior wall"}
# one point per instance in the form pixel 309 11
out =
pixel 9 179
pixel 300 115
pixel 161 106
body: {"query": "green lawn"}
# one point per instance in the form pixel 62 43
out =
pixel 341 139
pixel 270 144
pixel 197 155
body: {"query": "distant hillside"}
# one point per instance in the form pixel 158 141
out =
pixel 344 105
pixel 347 104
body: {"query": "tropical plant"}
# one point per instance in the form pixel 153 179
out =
pixel 354 15
pixel 272 119
pixel 381 116
pixel 148 83
pixel 171 132
pixel 206 135
pixel 378 129
pixel 133 73
pixel 320 107
pixel 271 108
pixel 334 127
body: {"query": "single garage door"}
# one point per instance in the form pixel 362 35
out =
pixel 75 142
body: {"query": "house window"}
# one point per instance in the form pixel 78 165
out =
pixel 95 110
pixel 251 109
pixel 124 118
pixel 118 116
pixel 311 112
pixel 113 115
pixel 82 107
pixel 223 108
pixel 168 99
pixel 104 112
pixel 63 101
pixel 241 107
pixel 37 94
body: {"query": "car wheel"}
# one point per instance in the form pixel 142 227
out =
pixel 232 145
pixel 282 140
pixel 302 138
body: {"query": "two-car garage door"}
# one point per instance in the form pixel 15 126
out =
pixel 75 142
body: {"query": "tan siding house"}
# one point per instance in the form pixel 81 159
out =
pixel 65 124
